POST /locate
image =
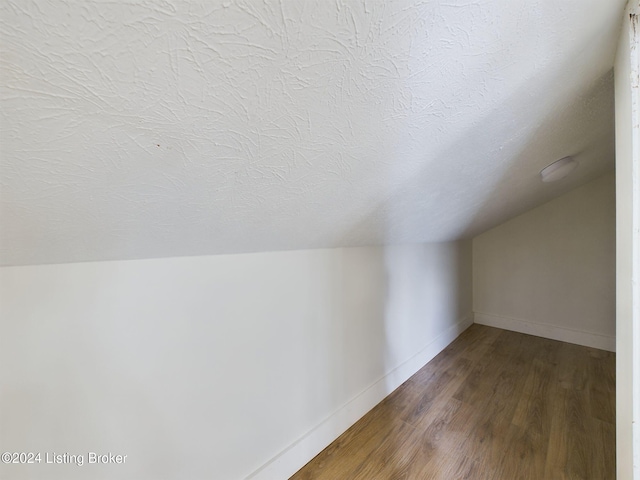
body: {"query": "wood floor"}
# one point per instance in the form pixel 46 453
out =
pixel 494 404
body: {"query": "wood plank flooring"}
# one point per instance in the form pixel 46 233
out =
pixel 493 405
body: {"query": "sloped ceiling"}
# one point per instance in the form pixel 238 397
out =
pixel 166 128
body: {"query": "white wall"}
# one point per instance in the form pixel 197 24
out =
pixel 220 367
pixel 627 94
pixel 551 271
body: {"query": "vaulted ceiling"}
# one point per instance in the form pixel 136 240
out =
pixel 168 127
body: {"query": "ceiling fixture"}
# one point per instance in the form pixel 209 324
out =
pixel 558 169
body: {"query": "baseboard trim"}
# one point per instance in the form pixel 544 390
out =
pixel 299 453
pixel 553 332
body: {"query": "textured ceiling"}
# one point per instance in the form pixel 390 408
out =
pixel 165 128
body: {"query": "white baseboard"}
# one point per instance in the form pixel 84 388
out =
pixel 569 335
pixel 294 457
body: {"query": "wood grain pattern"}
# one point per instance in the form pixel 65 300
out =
pixel 493 405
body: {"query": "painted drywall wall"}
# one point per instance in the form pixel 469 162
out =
pixel 627 98
pixel 141 129
pixel 551 271
pixel 218 366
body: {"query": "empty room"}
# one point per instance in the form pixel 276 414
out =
pixel 330 239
